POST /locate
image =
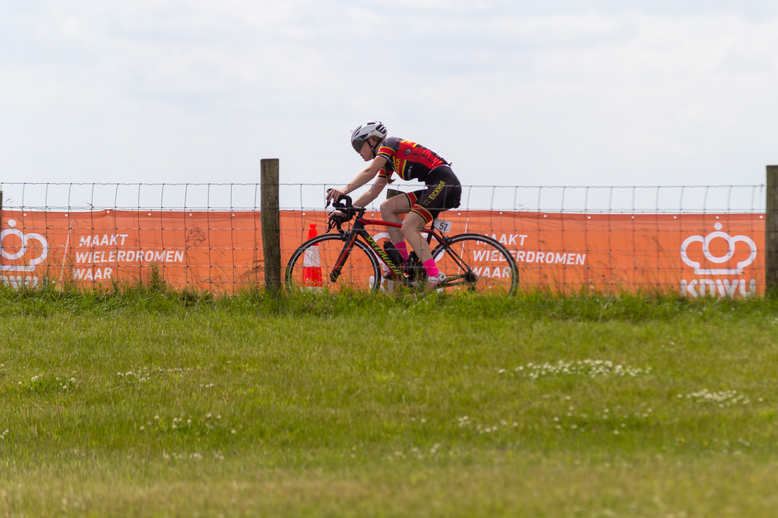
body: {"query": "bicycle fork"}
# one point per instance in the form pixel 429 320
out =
pixel 349 238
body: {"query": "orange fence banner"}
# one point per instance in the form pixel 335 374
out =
pixel 691 254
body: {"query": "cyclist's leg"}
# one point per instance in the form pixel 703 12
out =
pixel 443 192
pixel 391 210
pixel 411 231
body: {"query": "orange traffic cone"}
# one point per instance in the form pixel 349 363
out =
pixel 312 263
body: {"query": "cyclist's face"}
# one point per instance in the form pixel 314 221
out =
pixel 366 153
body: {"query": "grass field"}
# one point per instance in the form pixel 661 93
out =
pixel 149 404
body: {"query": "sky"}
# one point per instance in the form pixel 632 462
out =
pixel 551 93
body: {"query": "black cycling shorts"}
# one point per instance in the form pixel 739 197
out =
pixel 443 192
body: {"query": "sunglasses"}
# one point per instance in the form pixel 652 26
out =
pixel 357 144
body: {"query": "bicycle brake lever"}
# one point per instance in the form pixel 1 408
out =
pixel 332 224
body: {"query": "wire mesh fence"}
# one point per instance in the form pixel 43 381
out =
pixel 694 240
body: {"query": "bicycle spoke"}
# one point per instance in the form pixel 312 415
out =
pixel 312 267
pixel 477 263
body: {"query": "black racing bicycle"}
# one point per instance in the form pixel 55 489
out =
pixel 352 259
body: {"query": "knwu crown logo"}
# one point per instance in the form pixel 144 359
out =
pixel 722 287
pixel 731 241
pixel 7 270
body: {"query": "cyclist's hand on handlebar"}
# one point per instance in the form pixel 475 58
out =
pixel 333 195
pixel 339 200
pixel 336 219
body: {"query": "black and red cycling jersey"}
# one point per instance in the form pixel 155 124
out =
pixel 409 160
pixel 412 161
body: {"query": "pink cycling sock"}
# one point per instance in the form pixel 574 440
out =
pixel 403 249
pixel 431 268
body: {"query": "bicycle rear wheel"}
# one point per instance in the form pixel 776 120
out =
pixel 476 263
pixel 311 266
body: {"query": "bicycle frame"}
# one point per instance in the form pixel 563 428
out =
pixel 358 230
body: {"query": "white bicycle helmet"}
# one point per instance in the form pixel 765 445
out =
pixel 366 130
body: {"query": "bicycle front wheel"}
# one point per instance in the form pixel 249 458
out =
pixel 312 266
pixel 477 263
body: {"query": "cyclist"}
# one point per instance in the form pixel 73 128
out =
pixel 392 155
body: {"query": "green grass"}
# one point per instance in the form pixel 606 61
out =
pixel 149 403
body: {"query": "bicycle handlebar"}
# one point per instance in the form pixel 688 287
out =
pixel 344 205
pixel 337 203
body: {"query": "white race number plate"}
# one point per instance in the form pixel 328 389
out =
pixel 442 225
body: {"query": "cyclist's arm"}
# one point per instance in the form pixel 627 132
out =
pixel 372 193
pixel 361 179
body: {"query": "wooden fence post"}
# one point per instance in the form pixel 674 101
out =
pixel 771 230
pixel 271 224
